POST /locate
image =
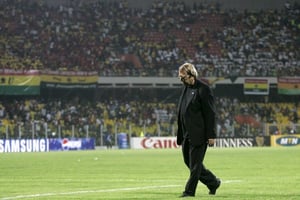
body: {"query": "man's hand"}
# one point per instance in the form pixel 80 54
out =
pixel 211 142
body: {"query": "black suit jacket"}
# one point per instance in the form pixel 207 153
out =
pixel 200 114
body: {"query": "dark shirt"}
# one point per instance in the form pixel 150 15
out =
pixel 183 105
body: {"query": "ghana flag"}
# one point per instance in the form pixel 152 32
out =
pixel 288 85
pixel 256 86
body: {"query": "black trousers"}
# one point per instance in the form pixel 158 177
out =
pixel 193 158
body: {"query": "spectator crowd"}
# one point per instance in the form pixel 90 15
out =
pixel 116 116
pixel 114 39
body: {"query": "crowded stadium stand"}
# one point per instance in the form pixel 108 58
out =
pixel 128 41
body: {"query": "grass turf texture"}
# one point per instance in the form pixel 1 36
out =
pixel 247 173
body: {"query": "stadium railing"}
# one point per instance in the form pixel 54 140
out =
pixel 38 129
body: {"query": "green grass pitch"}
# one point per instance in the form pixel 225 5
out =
pixel 246 173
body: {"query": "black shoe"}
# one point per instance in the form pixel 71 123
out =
pixel 186 195
pixel 212 191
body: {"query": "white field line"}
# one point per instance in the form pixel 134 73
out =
pixel 231 181
pixel 86 191
pixel 99 191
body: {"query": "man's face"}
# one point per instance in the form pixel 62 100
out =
pixel 185 78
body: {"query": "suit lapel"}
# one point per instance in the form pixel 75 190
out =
pixel 189 96
pixel 180 99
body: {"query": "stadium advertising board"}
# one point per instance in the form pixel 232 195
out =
pixel 234 142
pixel 170 142
pixel 45 145
pixel 65 144
pixel 257 141
pixel 24 145
pixel 285 140
pixel 153 143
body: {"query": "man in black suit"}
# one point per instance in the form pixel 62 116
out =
pixel 196 129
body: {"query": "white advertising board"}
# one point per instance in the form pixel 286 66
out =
pixel 153 143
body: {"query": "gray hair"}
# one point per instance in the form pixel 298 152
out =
pixel 189 68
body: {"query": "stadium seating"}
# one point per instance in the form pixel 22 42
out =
pixel 152 119
pixel 90 38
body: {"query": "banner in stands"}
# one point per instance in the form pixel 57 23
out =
pixel 256 86
pixel 285 140
pixel 65 144
pixel 19 82
pixel 69 79
pixel 170 142
pixel 288 85
pixel 24 145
